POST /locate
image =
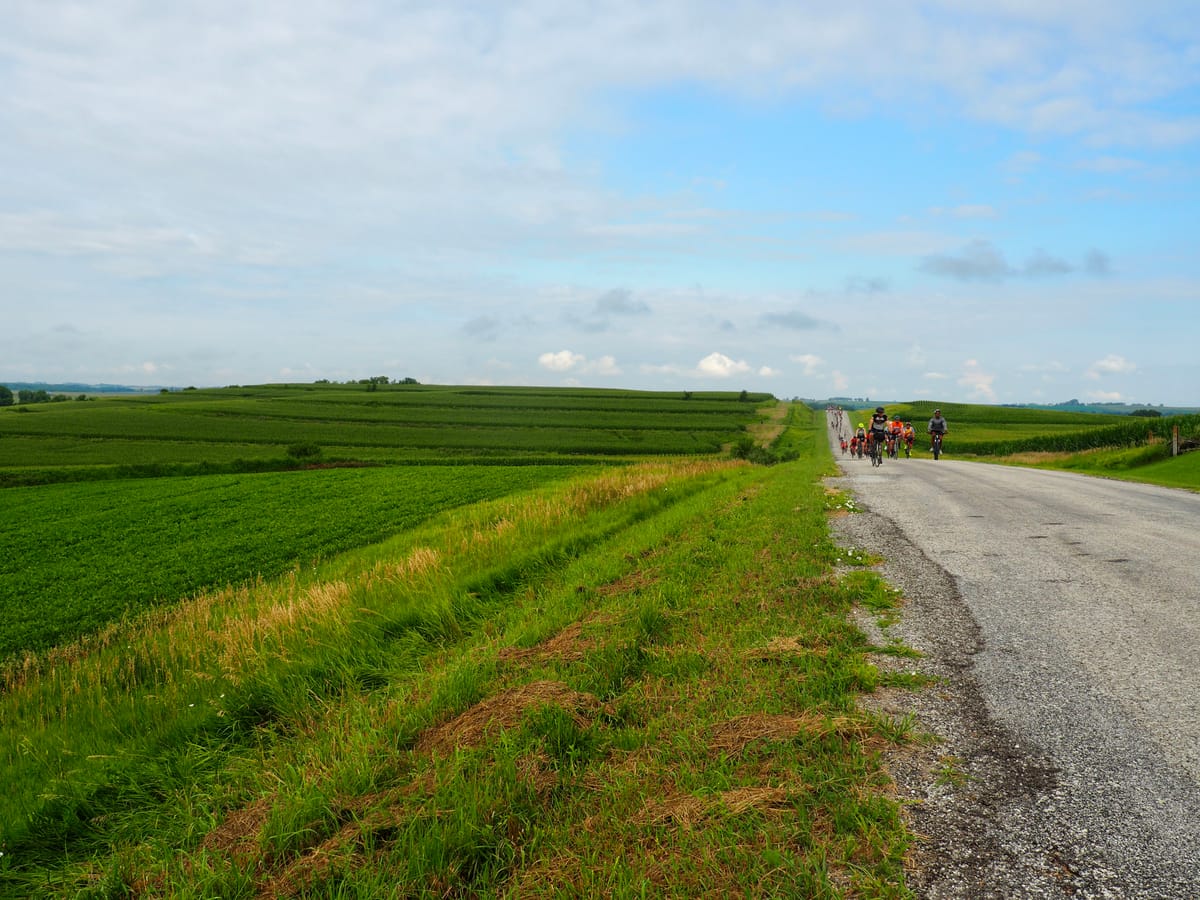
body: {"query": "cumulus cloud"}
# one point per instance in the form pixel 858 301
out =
pixel 718 365
pixel 977 382
pixel 561 361
pixel 605 365
pixel 1110 365
pixel 811 362
pixel 768 372
pixel 564 361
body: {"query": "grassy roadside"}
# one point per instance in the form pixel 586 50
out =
pixel 642 682
pixel 1148 465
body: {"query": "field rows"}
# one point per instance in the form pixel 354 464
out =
pixel 81 555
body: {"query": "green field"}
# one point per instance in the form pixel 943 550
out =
pixel 94 538
pixel 80 556
pixel 392 422
pixel 315 734
pixel 1126 447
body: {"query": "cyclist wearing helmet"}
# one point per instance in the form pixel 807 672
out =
pixel 937 425
pixel 894 429
pixel 879 425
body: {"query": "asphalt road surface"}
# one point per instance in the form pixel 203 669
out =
pixel 1061 615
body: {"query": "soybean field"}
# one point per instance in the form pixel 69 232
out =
pixel 110 507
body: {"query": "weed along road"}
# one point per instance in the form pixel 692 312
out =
pixel 1063 613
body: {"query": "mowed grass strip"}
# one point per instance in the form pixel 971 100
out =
pixel 659 699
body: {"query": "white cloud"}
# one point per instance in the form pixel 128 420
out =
pixel 561 361
pixel 768 372
pixel 605 365
pixel 1110 365
pixel 811 362
pixel 568 361
pixel 1106 396
pixel 718 365
pixel 977 382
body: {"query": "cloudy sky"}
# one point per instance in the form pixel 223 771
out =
pixel 977 200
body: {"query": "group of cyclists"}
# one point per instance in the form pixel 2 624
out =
pixel 886 436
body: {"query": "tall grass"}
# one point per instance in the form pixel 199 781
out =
pixel 640 682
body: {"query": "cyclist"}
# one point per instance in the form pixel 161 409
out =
pixel 937 425
pixel 861 434
pixel 879 424
pixel 895 429
pixel 908 435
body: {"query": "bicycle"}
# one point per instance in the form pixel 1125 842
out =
pixel 876 450
pixel 936 444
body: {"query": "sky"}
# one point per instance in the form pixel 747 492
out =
pixel 990 201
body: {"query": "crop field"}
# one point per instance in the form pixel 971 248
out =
pixel 91 538
pixel 79 556
pixel 350 422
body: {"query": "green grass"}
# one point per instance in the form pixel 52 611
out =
pixel 1124 447
pixel 638 681
pixel 80 556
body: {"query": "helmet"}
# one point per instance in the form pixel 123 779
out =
pixel 908 424
pixel 879 409
pixel 937 412
pixel 861 425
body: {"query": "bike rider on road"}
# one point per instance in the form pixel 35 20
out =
pixel 879 425
pixel 937 425
pixel 895 428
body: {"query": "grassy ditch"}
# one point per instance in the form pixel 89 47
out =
pixel 638 682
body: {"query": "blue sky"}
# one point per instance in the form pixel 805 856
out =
pixel 976 201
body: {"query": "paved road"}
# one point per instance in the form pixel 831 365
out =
pixel 1065 612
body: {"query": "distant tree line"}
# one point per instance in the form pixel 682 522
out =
pixel 371 383
pixel 25 395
